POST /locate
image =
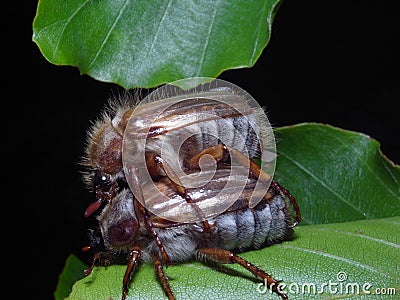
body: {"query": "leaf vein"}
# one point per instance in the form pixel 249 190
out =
pixel 363 162
pixel 391 222
pixel 387 243
pixel 394 178
pixel 335 257
pixel 155 37
pixel 305 170
pixel 207 41
pixel 109 33
pixel 259 26
pixel 68 21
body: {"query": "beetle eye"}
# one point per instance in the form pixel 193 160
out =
pixel 101 179
pixel 123 233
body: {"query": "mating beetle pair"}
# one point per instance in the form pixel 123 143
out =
pixel 176 179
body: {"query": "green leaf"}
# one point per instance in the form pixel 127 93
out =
pixel 336 175
pixel 72 272
pixel 318 255
pixel 148 43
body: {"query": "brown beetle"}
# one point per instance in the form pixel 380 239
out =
pixel 178 181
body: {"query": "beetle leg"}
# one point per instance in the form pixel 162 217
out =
pixel 218 152
pixel 264 177
pixel 96 257
pixel 150 228
pixel 255 169
pixel 221 151
pixel 153 160
pixel 292 200
pixel 134 256
pixel 227 257
pixel 145 215
pixel 163 278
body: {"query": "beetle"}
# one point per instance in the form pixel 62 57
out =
pixel 177 180
pixel 127 227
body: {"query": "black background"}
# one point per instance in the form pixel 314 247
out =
pixel 331 62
